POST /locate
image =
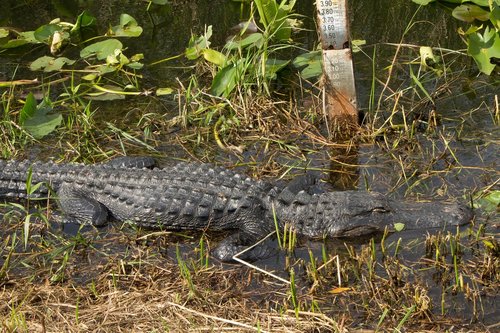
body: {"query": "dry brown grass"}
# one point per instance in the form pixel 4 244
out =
pixel 149 298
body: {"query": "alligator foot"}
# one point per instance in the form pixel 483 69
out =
pixel 232 245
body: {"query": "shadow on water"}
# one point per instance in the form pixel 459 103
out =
pixel 407 170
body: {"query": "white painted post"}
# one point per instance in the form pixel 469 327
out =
pixel 339 88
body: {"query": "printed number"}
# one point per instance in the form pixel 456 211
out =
pixel 326 3
pixel 331 35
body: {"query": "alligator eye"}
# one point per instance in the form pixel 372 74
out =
pixel 379 210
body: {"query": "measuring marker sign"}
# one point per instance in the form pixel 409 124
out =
pixel 340 73
pixel 337 58
pixel 332 15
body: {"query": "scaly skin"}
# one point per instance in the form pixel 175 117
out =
pixel 201 197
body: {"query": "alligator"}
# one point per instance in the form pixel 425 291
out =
pixel 197 196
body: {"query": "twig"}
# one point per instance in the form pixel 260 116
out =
pixel 241 261
pixel 227 321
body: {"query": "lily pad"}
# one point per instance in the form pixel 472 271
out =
pixel 469 13
pixel 45 32
pixel 102 49
pixel 50 64
pixel 23 38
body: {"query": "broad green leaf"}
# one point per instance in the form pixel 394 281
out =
pixel 483 3
pixel 135 65
pixel 84 28
pixel 214 57
pixel 483 48
pixel 104 69
pixel 273 66
pixel 225 80
pixel 469 13
pixel 45 32
pixel 160 2
pixel 255 39
pixel 311 64
pixel 116 58
pixel 29 108
pixel 306 59
pixel 13 43
pixel 137 57
pixel 134 61
pixel 102 49
pixel 4 33
pixel 128 27
pixel 22 39
pixel 28 36
pixel 38 119
pixel 50 64
pixel 490 203
pixel 276 18
pixel 43 125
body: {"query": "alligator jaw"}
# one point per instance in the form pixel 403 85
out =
pixel 412 215
pixel 423 215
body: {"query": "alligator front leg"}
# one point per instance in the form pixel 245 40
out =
pixel 239 242
pixel 77 206
pixel 252 229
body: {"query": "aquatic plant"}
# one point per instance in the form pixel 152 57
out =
pixel 483 35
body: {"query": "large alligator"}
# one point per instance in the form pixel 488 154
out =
pixel 204 197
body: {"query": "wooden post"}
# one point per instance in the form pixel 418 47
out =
pixel 339 86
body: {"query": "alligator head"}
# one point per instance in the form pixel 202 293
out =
pixel 357 213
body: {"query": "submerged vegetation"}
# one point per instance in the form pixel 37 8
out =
pixel 86 90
